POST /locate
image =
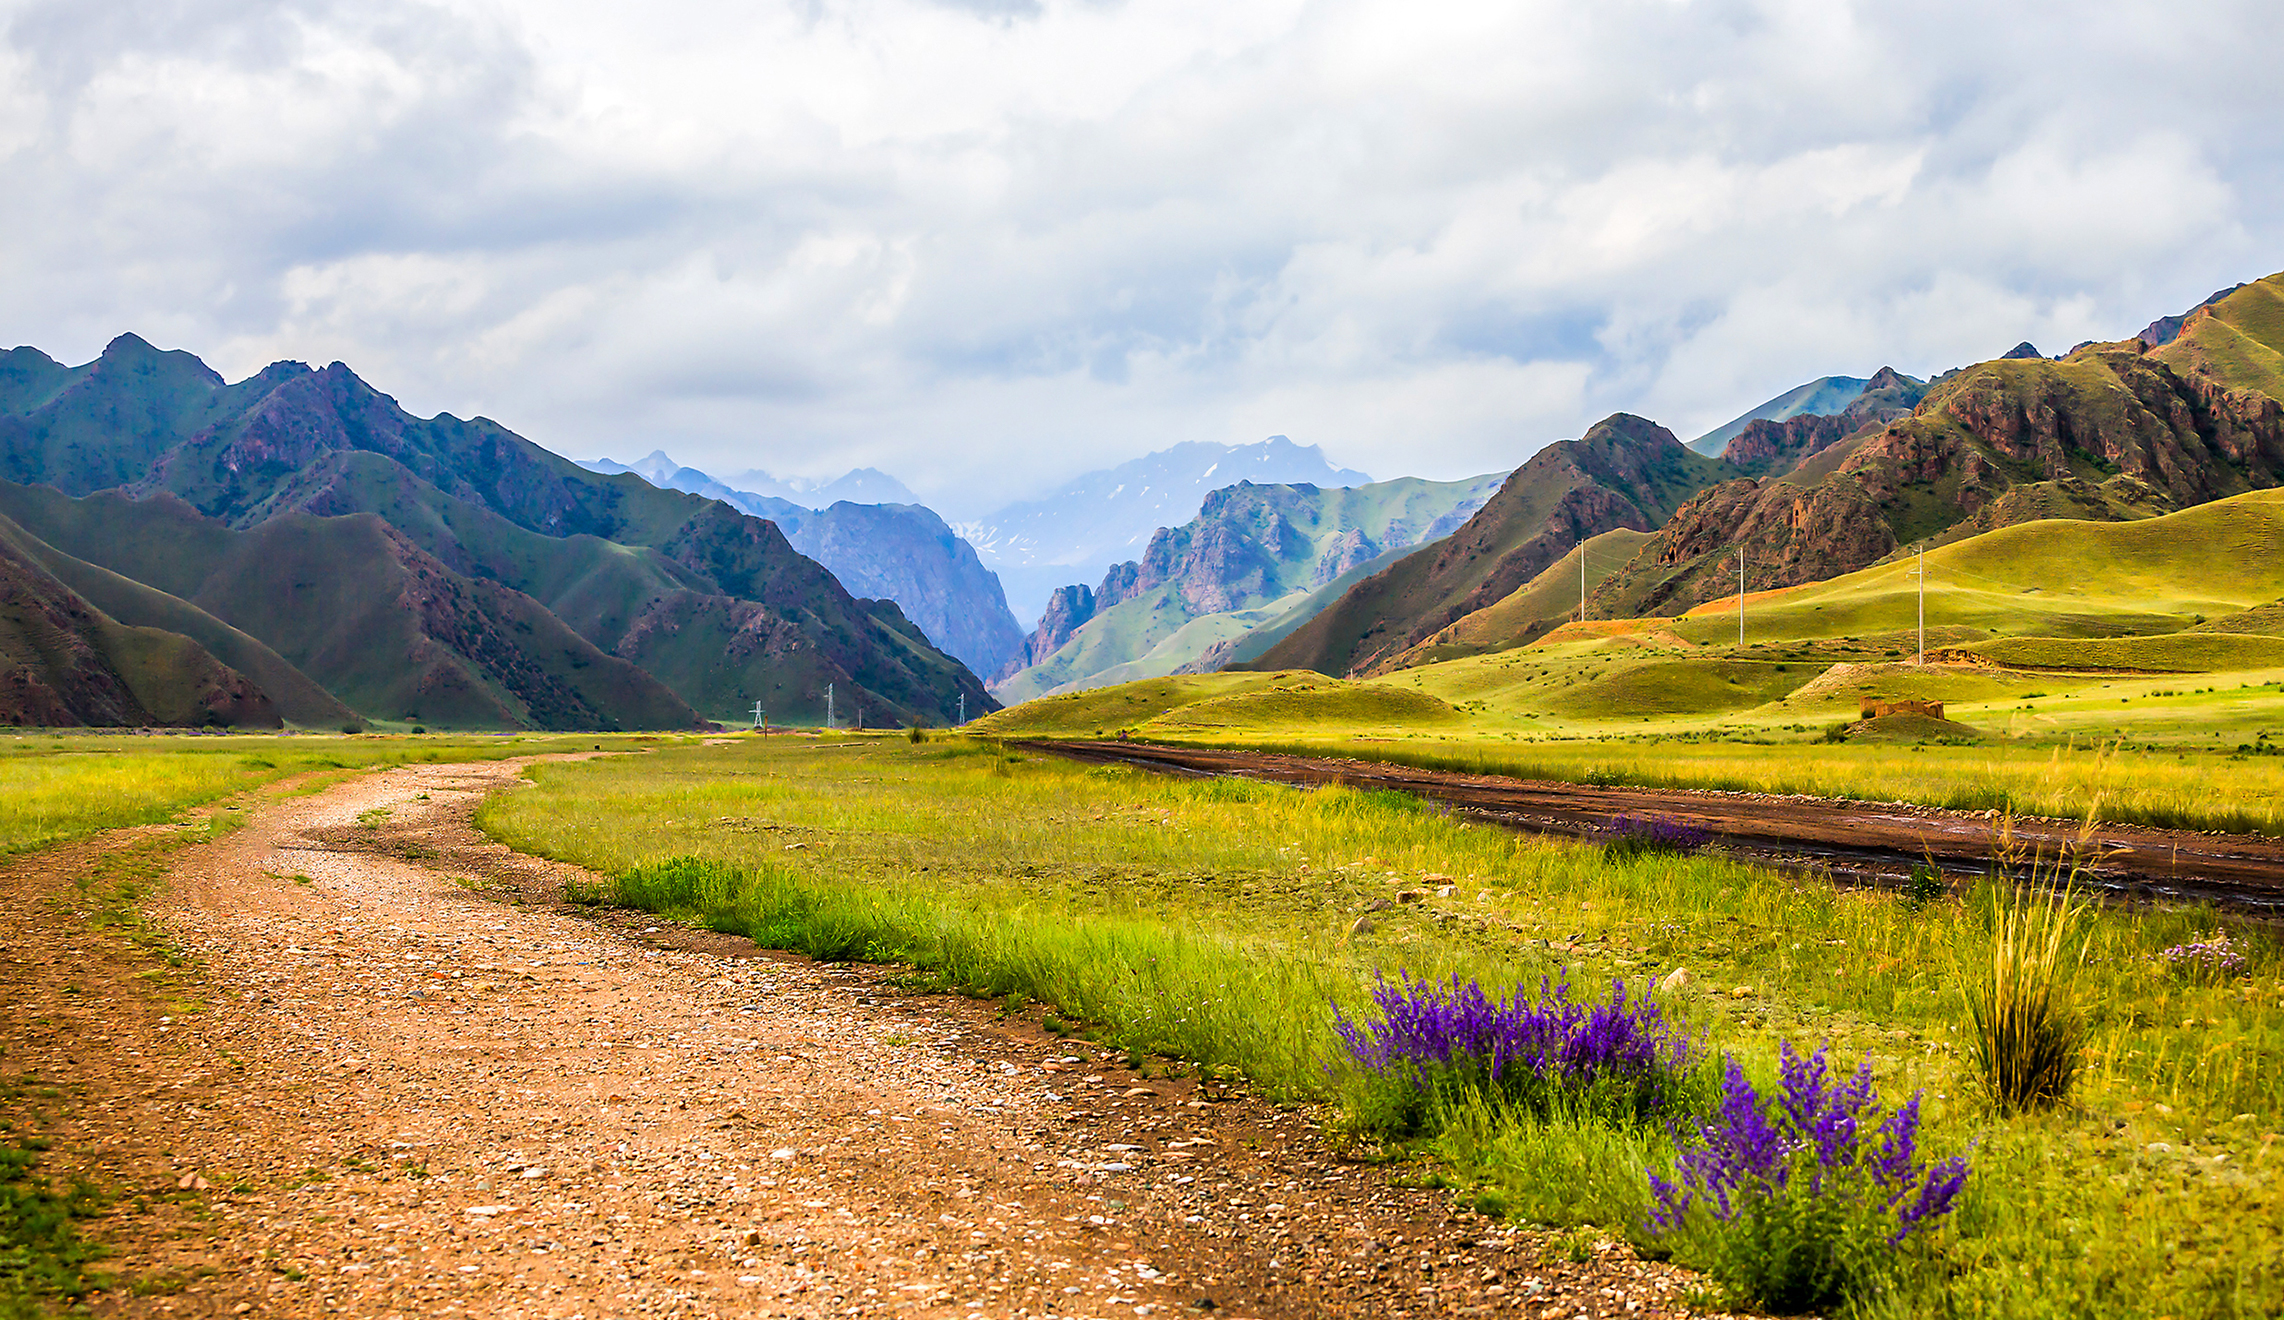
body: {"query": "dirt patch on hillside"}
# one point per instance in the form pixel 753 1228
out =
pixel 397 1077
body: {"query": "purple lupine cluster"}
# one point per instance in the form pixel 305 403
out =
pixel 1526 1049
pixel 2209 957
pixel 1812 1144
pixel 1653 833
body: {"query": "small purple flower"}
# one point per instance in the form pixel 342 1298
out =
pixel 1653 833
pixel 2213 956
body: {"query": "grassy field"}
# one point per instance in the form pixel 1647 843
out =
pixel 2147 750
pixel 1217 922
pixel 2148 692
pixel 55 787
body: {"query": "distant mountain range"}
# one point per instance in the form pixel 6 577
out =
pixel 1625 472
pixel 858 486
pixel 303 533
pixel 2186 412
pixel 1076 533
pixel 1253 554
pixel 894 550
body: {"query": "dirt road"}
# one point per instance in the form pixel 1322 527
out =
pixel 397 1077
pixel 1864 841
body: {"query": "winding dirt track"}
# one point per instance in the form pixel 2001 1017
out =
pixel 399 1078
pixel 1866 841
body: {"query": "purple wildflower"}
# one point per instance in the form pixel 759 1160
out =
pixel 1741 1163
pixel 2213 956
pixel 1653 833
pixel 1526 1049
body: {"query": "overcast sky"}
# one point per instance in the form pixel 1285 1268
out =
pixel 986 244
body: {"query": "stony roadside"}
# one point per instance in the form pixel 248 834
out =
pixel 398 1076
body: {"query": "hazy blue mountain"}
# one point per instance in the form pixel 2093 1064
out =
pixel 881 550
pixel 859 486
pixel 1076 533
pixel 1820 397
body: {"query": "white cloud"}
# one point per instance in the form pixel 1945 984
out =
pixel 984 244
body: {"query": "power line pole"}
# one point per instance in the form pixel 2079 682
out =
pixel 760 718
pixel 1582 578
pixel 1922 575
pixel 1740 596
pixel 828 705
pixel 963 708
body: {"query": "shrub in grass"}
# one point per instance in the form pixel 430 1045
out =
pixel 1630 836
pixel 1808 1201
pixel 2025 1033
pixel 1436 1045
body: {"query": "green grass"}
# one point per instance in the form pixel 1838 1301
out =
pixel 2161 787
pixel 44 1258
pixel 1212 920
pixel 57 788
pixel 2178 653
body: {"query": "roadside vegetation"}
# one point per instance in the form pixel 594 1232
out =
pixel 60 786
pixel 1235 927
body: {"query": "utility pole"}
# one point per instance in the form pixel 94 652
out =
pixel 828 705
pixel 760 718
pixel 1922 575
pixel 963 708
pixel 1582 577
pixel 1740 597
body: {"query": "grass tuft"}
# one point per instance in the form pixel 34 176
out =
pixel 2027 1038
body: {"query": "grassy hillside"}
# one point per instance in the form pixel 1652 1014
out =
pixel 388 630
pixel 2238 340
pixel 1100 712
pixel 1534 609
pixel 297 698
pixel 2044 632
pixel 2051 578
pixel 65 663
pixel 1625 472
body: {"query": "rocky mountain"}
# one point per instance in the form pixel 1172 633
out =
pixel 65 662
pixel 899 552
pixel 1762 446
pixel 2111 431
pixel 1253 552
pixel 515 573
pixel 1625 472
pixel 1102 518
pixel 1820 397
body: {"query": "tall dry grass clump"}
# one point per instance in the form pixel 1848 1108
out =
pixel 2027 1034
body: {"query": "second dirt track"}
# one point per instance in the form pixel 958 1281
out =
pixel 1869 842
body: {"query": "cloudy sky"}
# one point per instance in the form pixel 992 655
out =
pixel 985 244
